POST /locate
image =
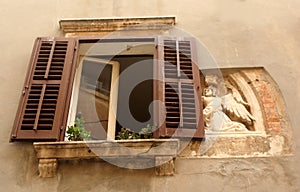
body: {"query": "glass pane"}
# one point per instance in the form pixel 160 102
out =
pixel 94 96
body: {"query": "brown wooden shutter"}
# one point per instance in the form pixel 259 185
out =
pixel 177 89
pixel 43 106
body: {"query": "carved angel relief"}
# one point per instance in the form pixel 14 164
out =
pixel 224 108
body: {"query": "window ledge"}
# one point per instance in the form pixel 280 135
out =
pixel 163 151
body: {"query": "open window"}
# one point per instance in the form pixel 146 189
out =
pixel 94 96
pixel 112 83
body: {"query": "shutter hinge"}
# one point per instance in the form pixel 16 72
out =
pixel 61 127
pixel 76 47
pixel 25 89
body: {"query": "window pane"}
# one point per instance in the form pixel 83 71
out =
pixel 94 96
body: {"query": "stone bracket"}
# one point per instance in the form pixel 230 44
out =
pixel 165 166
pixel 47 167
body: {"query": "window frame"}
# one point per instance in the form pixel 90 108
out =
pixel 74 61
pixel 113 94
pixel 91 39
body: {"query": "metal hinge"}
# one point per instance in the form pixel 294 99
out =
pixel 25 89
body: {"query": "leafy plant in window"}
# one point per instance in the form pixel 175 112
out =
pixel 77 132
pixel 126 133
pixel 145 133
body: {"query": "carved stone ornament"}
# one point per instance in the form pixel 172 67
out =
pixel 165 166
pixel 224 107
pixel 47 167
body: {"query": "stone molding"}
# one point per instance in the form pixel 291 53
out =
pixel 48 153
pixel 113 24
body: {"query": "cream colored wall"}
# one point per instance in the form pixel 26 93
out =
pixel 238 33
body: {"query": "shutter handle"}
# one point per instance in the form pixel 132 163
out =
pixel 25 89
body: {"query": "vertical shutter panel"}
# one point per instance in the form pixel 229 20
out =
pixel 178 88
pixel 41 113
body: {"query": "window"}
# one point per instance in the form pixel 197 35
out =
pixel 60 82
pixel 95 96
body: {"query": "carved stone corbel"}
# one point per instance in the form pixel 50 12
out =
pixel 165 166
pixel 47 167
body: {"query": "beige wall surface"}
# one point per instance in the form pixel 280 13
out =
pixel 238 33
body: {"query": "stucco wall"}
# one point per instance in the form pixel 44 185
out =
pixel 238 33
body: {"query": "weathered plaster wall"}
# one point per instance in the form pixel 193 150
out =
pixel 251 174
pixel 238 33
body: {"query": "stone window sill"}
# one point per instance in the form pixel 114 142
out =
pixel 163 151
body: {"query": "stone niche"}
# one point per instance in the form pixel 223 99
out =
pixel 269 134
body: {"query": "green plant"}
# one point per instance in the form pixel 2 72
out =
pixel 127 134
pixel 77 132
pixel 145 133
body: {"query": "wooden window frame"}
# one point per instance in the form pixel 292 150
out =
pixel 113 94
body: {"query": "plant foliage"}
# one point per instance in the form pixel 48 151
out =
pixel 77 132
pixel 145 133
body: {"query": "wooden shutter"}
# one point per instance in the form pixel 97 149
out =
pixel 177 87
pixel 43 106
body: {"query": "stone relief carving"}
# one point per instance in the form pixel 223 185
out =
pixel 225 110
pixel 47 167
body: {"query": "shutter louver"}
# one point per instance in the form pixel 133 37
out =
pixel 40 109
pixel 50 60
pixel 41 112
pixel 179 90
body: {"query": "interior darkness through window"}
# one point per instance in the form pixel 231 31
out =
pixel 135 112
